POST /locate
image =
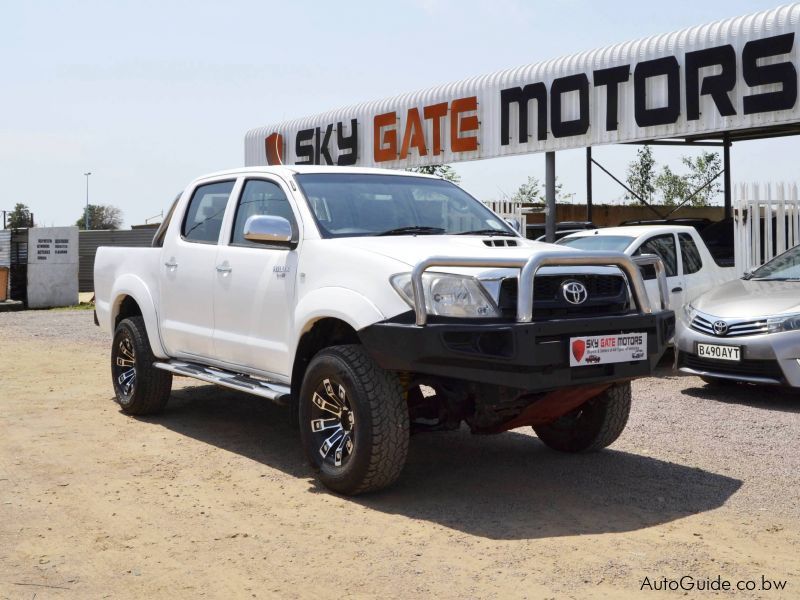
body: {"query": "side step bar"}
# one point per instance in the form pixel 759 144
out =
pixel 277 392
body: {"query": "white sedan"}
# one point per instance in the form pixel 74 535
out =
pixel 690 268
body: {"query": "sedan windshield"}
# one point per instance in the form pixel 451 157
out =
pixel 783 267
pixel 616 243
pixel 352 205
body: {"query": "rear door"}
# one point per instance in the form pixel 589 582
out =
pixel 663 246
pixel 189 255
pixel 254 285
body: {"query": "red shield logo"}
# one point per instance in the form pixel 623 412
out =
pixel 273 144
pixel 578 349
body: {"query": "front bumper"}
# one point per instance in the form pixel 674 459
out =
pixel 770 358
pixel 528 356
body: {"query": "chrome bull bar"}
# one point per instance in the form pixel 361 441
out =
pixel 530 266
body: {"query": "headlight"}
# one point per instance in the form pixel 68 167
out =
pixel 689 312
pixel 448 295
pixel 783 323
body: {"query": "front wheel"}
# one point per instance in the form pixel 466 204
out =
pixel 593 425
pixel 140 388
pixel 353 421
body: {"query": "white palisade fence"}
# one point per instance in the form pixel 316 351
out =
pixel 766 222
pixel 508 209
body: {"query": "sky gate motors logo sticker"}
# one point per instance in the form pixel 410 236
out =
pixel 660 88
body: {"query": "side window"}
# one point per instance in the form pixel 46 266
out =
pixel 662 246
pixel 690 257
pixel 204 214
pixel 259 197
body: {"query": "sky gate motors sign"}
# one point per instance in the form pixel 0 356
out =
pixel 733 75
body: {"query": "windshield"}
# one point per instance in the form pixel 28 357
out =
pixel 616 243
pixel 783 267
pixel 352 205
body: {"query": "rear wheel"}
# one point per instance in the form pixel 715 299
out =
pixel 593 425
pixel 353 421
pixel 140 388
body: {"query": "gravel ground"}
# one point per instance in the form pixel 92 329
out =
pixel 213 497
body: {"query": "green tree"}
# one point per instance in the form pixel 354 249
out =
pixel 702 169
pixel 444 171
pixel 533 192
pixel 642 174
pixel 19 217
pixel 101 216
pixel 673 187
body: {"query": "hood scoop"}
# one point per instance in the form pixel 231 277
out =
pixel 500 243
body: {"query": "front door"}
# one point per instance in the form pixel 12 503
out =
pixel 188 261
pixel 254 286
pixel 664 247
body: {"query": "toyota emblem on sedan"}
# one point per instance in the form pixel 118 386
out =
pixel 720 328
pixel 574 292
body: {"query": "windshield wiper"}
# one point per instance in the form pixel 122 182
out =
pixel 413 229
pixel 488 232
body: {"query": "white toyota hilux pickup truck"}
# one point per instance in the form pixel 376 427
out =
pixel 377 304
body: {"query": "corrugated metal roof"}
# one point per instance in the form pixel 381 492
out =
pixel 736 32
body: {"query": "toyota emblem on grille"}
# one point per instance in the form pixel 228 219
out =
pixel 574 292
pixel 720 328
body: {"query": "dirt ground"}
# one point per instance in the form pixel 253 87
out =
pixel 213 498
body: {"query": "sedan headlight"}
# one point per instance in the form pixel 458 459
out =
pixel 689 312
pixel 448 295
pixel 783 323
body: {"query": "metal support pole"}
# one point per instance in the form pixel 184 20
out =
pixel 550 196
pixel 86 214
pixel 726 165
pixel 588 183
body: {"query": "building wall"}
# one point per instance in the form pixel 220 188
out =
pixel 52 267
pixel 606 215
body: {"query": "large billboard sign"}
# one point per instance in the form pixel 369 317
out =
pixel 732 75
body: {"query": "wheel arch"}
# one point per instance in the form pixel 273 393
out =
pixel 132 297
pixel 317 335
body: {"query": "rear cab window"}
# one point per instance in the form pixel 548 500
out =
pixel 203 220
pixel 690 256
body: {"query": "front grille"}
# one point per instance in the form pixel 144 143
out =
pixel 753 368
pixel 606 294
pixel 736 327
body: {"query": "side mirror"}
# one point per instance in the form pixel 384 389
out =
pixel 265 229
pixel 515 224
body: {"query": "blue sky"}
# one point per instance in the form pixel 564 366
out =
pixel 148 95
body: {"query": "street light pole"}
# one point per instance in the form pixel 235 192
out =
pixel 86 214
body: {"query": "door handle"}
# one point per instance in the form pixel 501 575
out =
pixel 675 290
pixel 224 269
pixel 171 265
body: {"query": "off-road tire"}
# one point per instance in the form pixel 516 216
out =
pixel 152 386
pixel 592 426
pixel 379 425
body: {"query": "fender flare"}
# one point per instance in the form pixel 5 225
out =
pixel 133 286
pixel 333 302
